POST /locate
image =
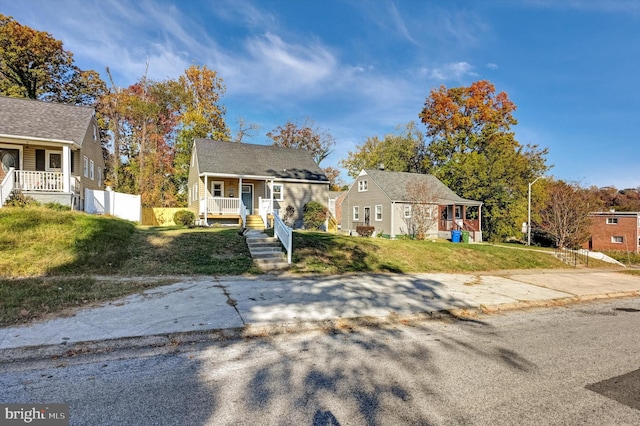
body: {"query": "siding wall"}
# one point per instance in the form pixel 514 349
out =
pixel 370 198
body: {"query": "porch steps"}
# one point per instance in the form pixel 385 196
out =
pixel 266 251
pixel 254 222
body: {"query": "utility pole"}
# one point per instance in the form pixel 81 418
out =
pixel 529 211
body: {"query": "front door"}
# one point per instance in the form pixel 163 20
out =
pixel 367 216
pixel 247 198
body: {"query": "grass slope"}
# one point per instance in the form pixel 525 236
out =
pixel 316 252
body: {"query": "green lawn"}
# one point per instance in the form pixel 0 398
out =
pixel 54 260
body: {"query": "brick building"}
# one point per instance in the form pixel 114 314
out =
pixel 615 231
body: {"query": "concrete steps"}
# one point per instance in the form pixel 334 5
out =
pixel 266 251
pixel 254 222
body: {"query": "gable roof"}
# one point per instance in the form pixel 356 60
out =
pixel 394 185
pixel 243 159
pixel 28 118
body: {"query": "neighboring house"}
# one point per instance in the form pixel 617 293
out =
pixel 49 151
pixel 230 181
pixel 335 204
pixel 615 231
pixel 391 201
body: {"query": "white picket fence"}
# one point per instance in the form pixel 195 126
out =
pixel 124 206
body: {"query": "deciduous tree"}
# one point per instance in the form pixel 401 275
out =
pixel 307 136
pixel 33 64
pixel 424 209
pixel 472 150
pixel 403 151
pixel 565 215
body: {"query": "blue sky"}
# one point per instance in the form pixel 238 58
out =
pixel 360 68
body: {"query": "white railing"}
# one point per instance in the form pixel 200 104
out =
pixel 6 186
pixel 284 234
pixel 220 205
pixel 265 208
pixel 39 181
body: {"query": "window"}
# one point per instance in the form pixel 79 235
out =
pixel 217 189
pixel 278 191
pixel 617 239
pixel 407 211
pixel 194 192
pixel 54 161
pixel 378 213
pixel 362 185
pixel 99 176
pixel 91 171
pixel 612 221
pixel 356 213
pixel 458 212
pixel 85 167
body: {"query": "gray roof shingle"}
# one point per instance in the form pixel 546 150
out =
pixel 46 120
pixel 256 160
pixel 395 184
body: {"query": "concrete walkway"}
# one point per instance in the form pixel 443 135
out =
pixel 267 302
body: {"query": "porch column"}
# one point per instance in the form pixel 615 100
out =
pixel 66 168
pixel 206 201
pixel 480 218
pixel 240 206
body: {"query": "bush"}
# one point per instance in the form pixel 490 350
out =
pixel 184 217
pixel 18 199
pixel 365 231
pixel 315 215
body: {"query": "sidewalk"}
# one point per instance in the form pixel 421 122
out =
pixel 266 302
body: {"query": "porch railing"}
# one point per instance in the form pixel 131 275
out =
pixel 39 181
pixel 464 224
pixel 6 186
pixel 220 205
pixel 284 234
pixel 223 206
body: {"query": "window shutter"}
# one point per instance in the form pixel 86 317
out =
pixel 40 161
pixel 73 167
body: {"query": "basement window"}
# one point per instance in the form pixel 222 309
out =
pixel 617 239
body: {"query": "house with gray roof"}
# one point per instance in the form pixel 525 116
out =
pixel 399 203
pixel 243 184
pixel 49 151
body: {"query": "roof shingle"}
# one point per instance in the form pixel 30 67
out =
pixel 256 160
pixel 46 120
pixel 395 185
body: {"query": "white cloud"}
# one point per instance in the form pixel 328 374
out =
pixel 452 71
pixel 492 66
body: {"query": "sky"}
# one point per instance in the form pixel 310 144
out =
pixel 360 68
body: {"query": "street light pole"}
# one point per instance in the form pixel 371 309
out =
pixel 529 212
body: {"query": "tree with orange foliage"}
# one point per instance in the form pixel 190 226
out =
pixel 474 152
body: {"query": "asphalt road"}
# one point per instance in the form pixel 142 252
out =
pixel 563 366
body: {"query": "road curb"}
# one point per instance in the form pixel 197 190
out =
pixel 176 341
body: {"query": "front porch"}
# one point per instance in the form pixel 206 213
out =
pixel 233 211
pixel 461 218
pixel 43 186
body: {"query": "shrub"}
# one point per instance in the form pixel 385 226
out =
pixel 315 215
pixel 18 199
pixel 365 231
pixel 184 217
pixel 288 216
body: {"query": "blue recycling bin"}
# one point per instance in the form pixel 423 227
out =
pixel 455 236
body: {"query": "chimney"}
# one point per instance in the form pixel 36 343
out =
pixel 381 166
